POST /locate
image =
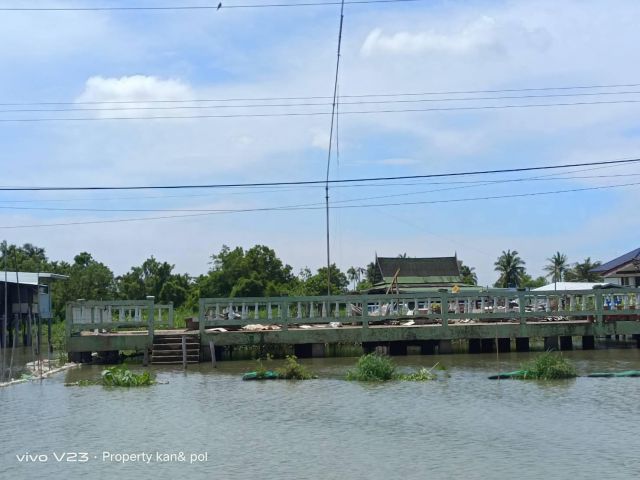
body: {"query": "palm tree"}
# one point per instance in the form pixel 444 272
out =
pixel 557 267
pixel 511 269
pixel 352 275
pixel 469 277
pixel 581 272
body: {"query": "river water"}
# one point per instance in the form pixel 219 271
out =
pixel 461 426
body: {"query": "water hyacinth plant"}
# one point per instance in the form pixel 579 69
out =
pixel 121 376
pixel 549 366
pixel 373 368
pixel 380 368
pixel 292 370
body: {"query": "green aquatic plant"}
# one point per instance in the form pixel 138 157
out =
pixel 380 368
pixel 373 368
pixel 549 366
pixel 121 376
pixel 421 375
pixel 292 370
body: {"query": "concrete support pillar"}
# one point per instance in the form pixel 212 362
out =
pixel 317 350
pixel 487 345
pixel 522 344
pixel 474 345
pixel 566 343
pixel 145 357
pixel 588 342
pixel 428 347
pixel 444 347
pixel 303 350
pixel 504 345
pixel 368 347
pixel 551 343
pixel 397 348
pixel 74 357
pixel 110 357
pixel 382 349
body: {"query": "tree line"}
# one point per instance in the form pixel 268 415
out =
pixel 237 272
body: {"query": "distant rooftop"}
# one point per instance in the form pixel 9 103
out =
pixel 571 286
pixel 419 267
pixel 618 262
pixel 29 278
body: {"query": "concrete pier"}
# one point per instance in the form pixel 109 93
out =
pixel 474 345
pixel 317 350
pixel 445 347
pixel 522 344
pixel 398 348
pixel 488 345
pixel 428 347
pixel 303 350
pixel 588 342
pixel 504 345
pixel 566 342
pixel 551 343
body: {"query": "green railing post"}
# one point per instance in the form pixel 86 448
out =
pixel 69 319
pixel 284 309
pixel 599 299
pixel 523 318
pixel 444 309
pixel 201 314
pixel 170 314
pixel 151 307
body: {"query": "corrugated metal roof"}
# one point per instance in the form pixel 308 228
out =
pixel 568 286
pixel 618 262
pixel 29 278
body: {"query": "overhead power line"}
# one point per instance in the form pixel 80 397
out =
pixel 319 206
pixel 312 114
pixel 321 182
pixel 198 7
pixel 320 97
pixel 561 176
pixel 313 104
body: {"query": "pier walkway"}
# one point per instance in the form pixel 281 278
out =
pixel 486 319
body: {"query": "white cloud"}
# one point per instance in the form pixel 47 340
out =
pixel 320 139
pixel 137 88
pixel 483 34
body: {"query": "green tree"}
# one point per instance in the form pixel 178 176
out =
pixel 88 279
pixel 511 269
pixel 529 282
pixel 317 284
pixel 27 258
pixel 256 272
pixel 581 271
pixel 469 276
pixel 154 278
pixel 557 267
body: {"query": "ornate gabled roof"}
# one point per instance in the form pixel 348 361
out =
pixel 420 270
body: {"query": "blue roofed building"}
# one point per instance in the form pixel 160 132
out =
pixel 623 270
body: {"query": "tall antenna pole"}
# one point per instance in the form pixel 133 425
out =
pixel 333 114
pixel 6 310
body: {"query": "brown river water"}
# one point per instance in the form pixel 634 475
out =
pixel 207 423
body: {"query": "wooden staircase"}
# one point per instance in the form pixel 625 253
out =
pixel 167 349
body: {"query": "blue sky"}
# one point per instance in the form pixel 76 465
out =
pixel 429 46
